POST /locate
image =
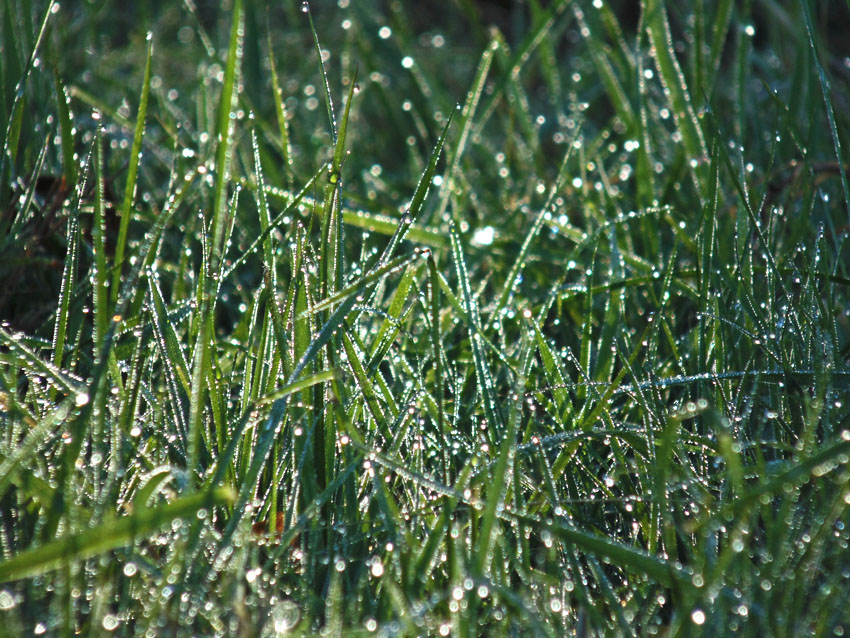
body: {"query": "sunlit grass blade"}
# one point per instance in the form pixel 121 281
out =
pixel 132 173
pixel 280 112
pixel 69 164
pixel 502 477
pixel 265 219
pixel 99 273
pixel 609 78
pixel 212 264
pixel 467 117
pixel 390 327
pixel 538 33
pixel 483 374
pixel 331 256
pixel 329 105
pixel 69 275
pixel 415 207
pixel 23 213
pixel 658 27
pixel 224 131
pixel 660 570
pixel 297 386
pixel 150 484
pixel 110 535
pixel 373 275
pixel 556 376
pixel 172 356
pixel 34 440
pixel 367 391
pixel 280 219
pixel 26 360
pixel 531 235
pixel 389 226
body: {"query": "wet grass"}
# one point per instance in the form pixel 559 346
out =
pixel 365 320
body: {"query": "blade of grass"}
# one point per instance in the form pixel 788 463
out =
pixel 110 535
pixel 209 276
pixel 414 209
pixel 280 112
pixel 826 89
pixel 503 474
pixel 473 98
pixel 69 165
pixel 132 172
pixel 13 127
pixel 482 371
pixel 658 28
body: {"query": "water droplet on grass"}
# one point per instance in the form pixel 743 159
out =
pixel 484 236
pixel 7 600
pixel 285 616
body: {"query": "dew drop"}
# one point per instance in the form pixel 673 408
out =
pixel 7 600
pixel 285 615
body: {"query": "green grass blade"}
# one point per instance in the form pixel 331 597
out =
pixel 537 34
pixel 280 112
pixel 297 386
pixel 660 570
pixel 826 89
pixel 658 27
pixel 531 235
pixel 13 127
pixel 482 371
pixel 224 133
pixel 132 173
pixel 69 275
pixel 110 535
pixel 34 440
pixel 374 275
pixel 500 482
pixel 367 391
pixel 69 164
pixel 100 290
pixel 414 209
pixel 467 117
pixel 325 84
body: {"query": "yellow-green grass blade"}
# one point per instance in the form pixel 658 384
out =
pixel 107 536
pixel 346 293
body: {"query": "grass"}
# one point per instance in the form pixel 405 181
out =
pixel 358 320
